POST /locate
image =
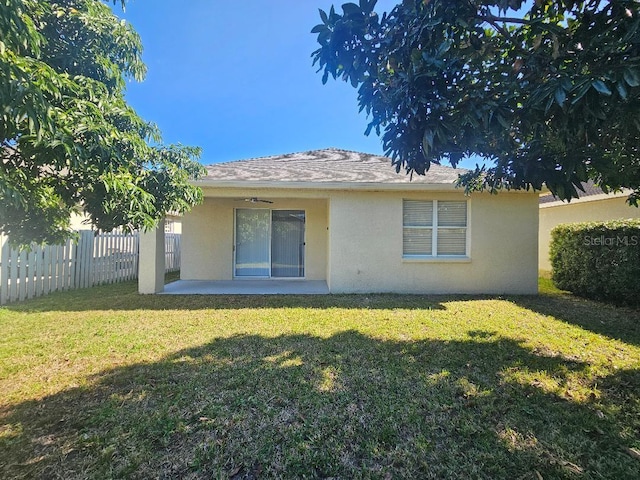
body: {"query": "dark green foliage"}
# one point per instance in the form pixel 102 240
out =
pixel 548 91
pixel 599 260
pixel 68 139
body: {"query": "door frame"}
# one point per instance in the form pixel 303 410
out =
pixel 268 277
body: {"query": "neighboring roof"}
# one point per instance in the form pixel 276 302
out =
pixel 590 190
pixel 327 167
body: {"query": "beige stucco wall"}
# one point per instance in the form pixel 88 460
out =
pixel 354 241
pixel 80 221
pixel 207 234
pixel 599 209
pixel 365 231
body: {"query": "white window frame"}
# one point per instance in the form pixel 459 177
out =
pixel 435 228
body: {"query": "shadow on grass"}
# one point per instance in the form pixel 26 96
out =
pixel 346 406
pixel 621 323
pixel 124 296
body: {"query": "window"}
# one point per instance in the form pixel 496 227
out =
pixel 434 228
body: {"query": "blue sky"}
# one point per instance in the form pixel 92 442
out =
pixel 236 79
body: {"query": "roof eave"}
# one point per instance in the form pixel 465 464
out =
pixel 588 198
pixel 364 186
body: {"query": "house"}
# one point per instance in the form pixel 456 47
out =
pixel 82 221
pixel 593 205
pixel 348 221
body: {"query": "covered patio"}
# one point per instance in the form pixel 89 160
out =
pixel 246 287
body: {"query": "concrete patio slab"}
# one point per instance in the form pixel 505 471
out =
pixel 246 287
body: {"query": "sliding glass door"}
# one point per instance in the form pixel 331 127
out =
pixel 269 243
pixel 287 243
pixel 252 242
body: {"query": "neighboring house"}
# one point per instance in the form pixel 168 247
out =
pixel 348 219
pixel 593 206
pixel 80 221
pixel 172 222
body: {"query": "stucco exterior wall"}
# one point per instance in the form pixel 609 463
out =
pixel 354 241
pixel 600 209
pixel 207 234
pixel 365 237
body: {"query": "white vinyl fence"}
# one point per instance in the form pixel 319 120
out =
pixel 172 252
pixel 92 260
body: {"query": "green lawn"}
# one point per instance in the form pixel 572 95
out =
pixel 104 383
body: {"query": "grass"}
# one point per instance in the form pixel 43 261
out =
pixel 104 383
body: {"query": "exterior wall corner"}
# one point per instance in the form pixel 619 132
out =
pixel 152 261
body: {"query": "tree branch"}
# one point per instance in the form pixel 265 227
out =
pixel 505 33
pixel 500 29
pixel 492 18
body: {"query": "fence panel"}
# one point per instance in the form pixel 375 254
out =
pixel 172 251
pixel 91 260
pixel 4 271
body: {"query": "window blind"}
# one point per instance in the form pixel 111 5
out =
pixel 417 213
pixel 444 235
pixel 452 241
pixel 452 214
pixel 417 241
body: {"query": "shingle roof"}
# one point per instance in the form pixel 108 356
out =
pixel 330 165
pixel 589 187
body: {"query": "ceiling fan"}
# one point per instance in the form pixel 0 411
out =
pixel 255 200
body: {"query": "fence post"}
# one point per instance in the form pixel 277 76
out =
pixel 23 272
pixel 135 249
pixel 84 260
pixel 177 251
pixel 4 272
pixel 39 283
pixel 31 285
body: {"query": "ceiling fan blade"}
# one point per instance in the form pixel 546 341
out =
pixel 256 200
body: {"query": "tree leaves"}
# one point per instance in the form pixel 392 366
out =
pixel 631 77
pixel 351 9
pixel 560 96
pixel 549 94
pixel 601 87
pixel 69 139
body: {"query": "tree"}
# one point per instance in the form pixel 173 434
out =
pixel 70 141
pixel 547 91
